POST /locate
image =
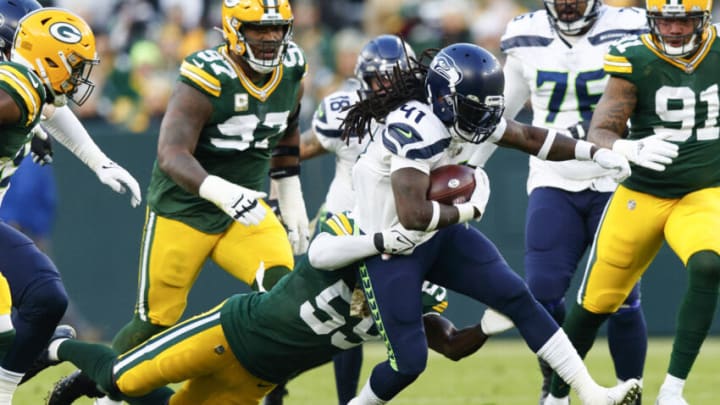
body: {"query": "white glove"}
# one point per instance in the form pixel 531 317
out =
pixel 118 179
pixel 294 214
pixel 494 322
pixel 397 240
pixel 616 162
pixel 240 203
pixel 652 152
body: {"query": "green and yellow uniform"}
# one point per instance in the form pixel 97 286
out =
pixel 182 229
pixel 679 97
pixel 237 352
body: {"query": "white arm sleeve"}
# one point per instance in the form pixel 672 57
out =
pixel 329 252
pixel 517 91
pixel 67 129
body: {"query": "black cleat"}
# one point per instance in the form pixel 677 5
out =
pixel 72 387
pixel 546 372
pixel 43 360
pixel 275 397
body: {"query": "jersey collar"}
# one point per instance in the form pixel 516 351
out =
pixel 261 93
pixel 684 64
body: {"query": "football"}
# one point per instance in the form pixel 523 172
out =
pixel 451 184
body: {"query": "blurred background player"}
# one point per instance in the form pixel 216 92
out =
pixel 665 84
pixel 51 57
pixel 555 59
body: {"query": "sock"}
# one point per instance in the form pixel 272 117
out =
pixel 696 311
pixel 672 385
pixel 9 381
pixel 347 365
pixel 627 340
pixel 133 333
pixel 6 340
pixel 581 326
pixel 94 359
pixel 53 349
pixel 367 397
pixel 559 353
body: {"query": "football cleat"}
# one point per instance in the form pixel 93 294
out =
pixel 72 387
pixel 275 397
pixel 43 360
pixel 546 372
pixel 625 393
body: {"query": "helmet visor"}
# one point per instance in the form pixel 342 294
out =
pixel 78 87
pixel 476 121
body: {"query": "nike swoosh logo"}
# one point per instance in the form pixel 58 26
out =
pixel 406 134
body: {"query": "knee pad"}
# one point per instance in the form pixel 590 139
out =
pixel 704 269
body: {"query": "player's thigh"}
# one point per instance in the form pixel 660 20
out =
pixel 247 252
pixel 630 235
pixel 694 224
pixel 171 257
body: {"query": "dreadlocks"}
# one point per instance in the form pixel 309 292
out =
pixel 396 88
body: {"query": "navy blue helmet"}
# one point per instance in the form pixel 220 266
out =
pixel 465 85
pixel 380 56
pixel 11 11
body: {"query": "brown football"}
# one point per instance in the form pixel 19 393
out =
pixel 451 184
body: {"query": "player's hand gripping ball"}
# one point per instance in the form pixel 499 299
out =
pixel 451 184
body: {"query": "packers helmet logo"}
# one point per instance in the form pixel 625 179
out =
pixel 65 32
pixel 445 67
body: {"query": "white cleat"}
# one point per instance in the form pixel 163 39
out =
pixel 551 400
pixel 625 393
pixel 670 399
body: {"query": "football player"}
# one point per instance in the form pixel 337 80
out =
pixel 555 59
pixel 237 352
pixel 51 57
pixel 434 114
pixel 377 59
pixel 665 83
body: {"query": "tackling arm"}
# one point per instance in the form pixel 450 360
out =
pixel 310 146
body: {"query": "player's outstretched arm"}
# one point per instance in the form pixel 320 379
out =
pixel 444 338
pixel 67 129
pixel 609 124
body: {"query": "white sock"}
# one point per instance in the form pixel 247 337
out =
pixel 53 349
pixel 5 323
pixel 9 381
pixel 672 385
pixel 560 354
pixel 367 397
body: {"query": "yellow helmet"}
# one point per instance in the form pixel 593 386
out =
pixel 239 13
pixel 697 10
pixel 60 47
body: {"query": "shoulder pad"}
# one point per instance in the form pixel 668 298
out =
pixel 527 30
pixel 197 71
pixel 414 132
pixel 624 55
pixel 338 224
pixel 615 23
pixel 25 87
pixel 331 112
pixel 294 60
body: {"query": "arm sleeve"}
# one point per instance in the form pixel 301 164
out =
pixel 329 252
pixel 516 88
pixel 67 129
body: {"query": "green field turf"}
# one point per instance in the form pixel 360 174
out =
pixel 502 372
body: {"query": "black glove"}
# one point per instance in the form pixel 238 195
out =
pixel 41 147
pixel 579 130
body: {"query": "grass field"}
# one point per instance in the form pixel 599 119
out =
pixel 503 372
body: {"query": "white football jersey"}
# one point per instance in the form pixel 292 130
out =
pixel 564 79
pixel 326 126
pixel 412 137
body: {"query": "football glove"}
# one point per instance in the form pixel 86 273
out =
pixel 615 162
pixel 119 180
pixel 240 203
pixel 652 152
pixel 294 214
pixel 41 147
pixel 397 240
pixel 481 194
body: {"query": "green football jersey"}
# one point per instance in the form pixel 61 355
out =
pixel 28 92
pixel 305 319
pixel 237 142
pixel 677 97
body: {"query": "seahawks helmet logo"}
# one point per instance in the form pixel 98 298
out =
pixel 445 66
pixel 65 32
